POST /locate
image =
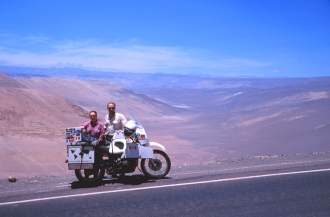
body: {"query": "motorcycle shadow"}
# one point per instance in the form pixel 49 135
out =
pixel 126 180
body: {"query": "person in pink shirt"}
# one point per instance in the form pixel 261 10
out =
pixel 94 128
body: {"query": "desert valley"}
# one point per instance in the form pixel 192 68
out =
pixel 200 119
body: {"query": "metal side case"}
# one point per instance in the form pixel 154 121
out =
pixel 80 157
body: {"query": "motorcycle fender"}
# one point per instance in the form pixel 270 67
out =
pixel 157 146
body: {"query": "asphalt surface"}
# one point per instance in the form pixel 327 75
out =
pixel 295 190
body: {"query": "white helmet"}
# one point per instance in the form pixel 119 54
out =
pixel 132 125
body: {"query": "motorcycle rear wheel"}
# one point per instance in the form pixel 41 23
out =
pixel 158 167
pixel 89 175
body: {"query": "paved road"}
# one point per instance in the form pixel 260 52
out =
pixel 276 192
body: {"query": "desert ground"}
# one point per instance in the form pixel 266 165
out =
pixel 199 120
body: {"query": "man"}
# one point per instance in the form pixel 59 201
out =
pixel 114 120
pixel 94 128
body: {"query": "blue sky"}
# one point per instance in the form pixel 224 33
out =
pixel 224 38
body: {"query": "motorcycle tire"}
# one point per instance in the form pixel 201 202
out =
pixel 84 175
pixel 151 167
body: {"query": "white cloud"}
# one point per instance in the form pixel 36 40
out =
pixel 120 57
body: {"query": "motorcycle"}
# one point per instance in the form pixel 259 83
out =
pixel 122 152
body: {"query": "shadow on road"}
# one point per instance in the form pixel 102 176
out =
pixel 126 180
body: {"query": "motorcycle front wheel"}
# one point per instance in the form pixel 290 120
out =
pixel 158 167
pixel 89 175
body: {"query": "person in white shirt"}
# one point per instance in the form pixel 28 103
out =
pixel 114 120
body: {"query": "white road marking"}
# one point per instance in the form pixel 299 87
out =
pixel 65 185
pixel 164 186
pixel 61 186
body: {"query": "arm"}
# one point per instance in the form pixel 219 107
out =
pixel 123 120
pixel 84 127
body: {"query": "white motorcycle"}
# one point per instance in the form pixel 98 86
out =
pixel 123 151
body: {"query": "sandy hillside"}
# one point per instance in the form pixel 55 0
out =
pixel 228 120
pixel 35 111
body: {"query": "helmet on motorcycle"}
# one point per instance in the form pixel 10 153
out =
pixel 130 127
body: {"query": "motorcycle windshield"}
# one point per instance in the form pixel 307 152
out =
pixel 140 132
